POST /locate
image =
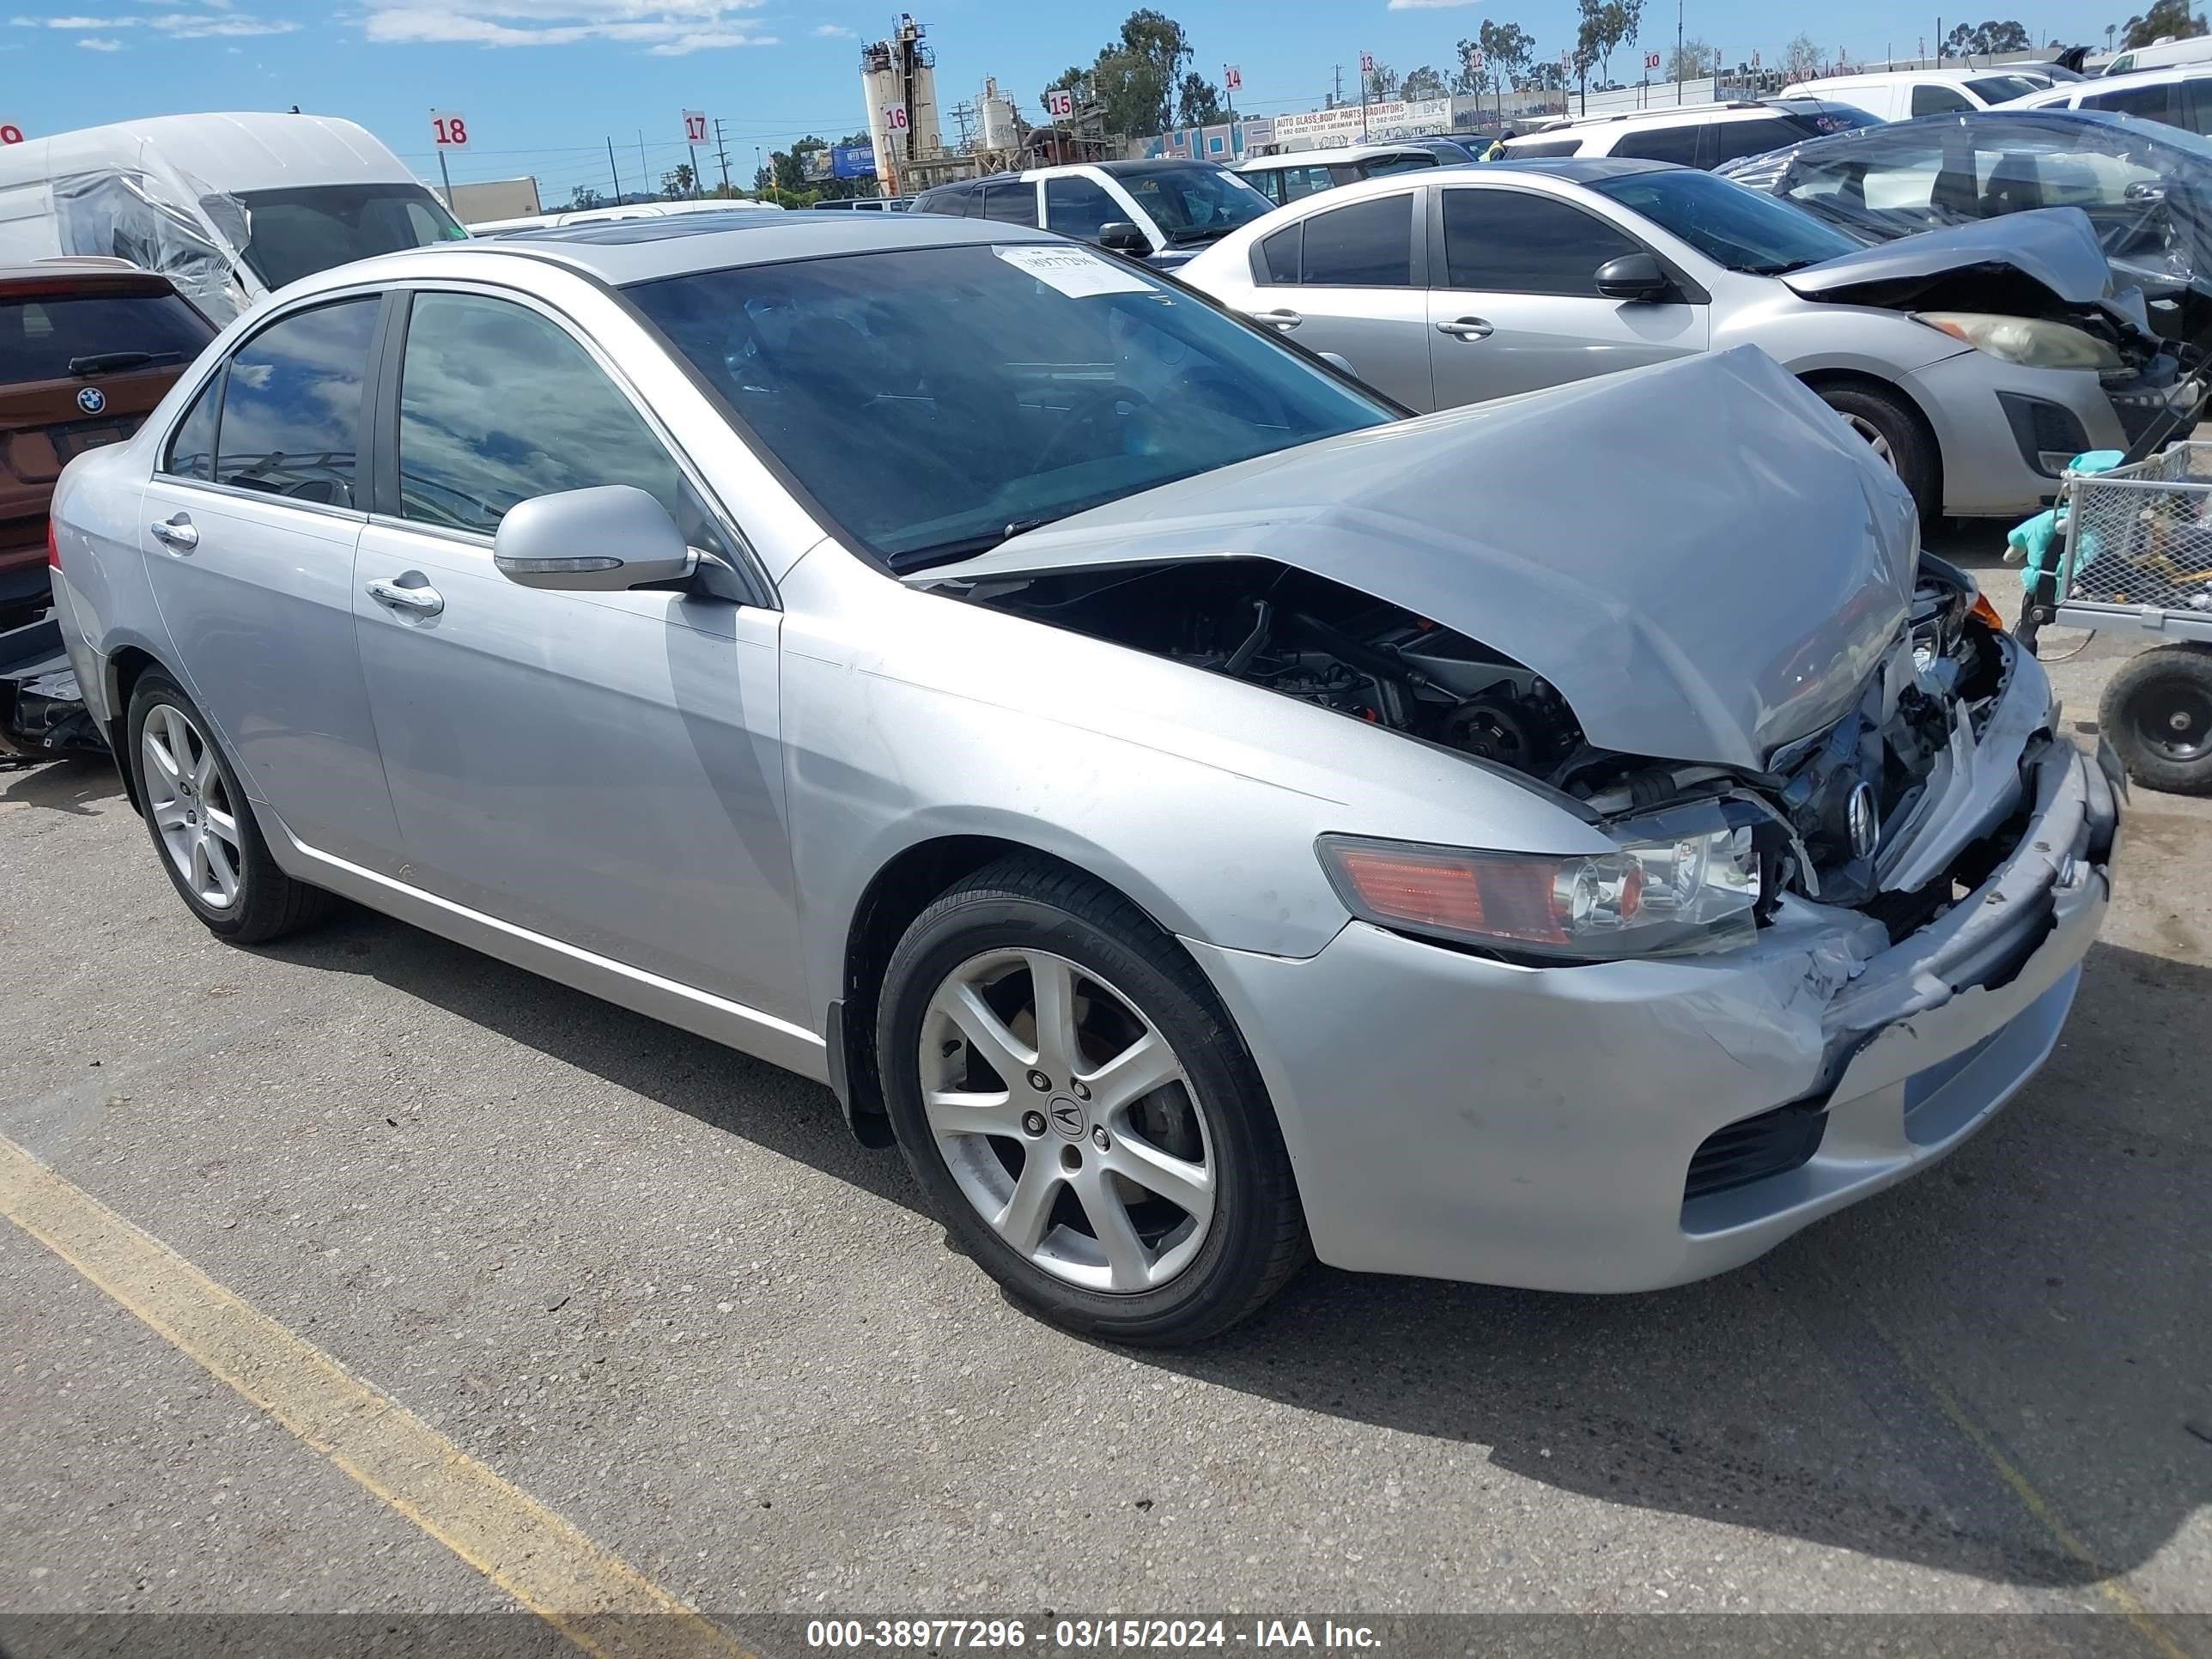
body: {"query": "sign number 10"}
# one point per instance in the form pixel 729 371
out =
pixel 450 128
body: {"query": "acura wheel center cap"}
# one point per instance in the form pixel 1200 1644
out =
pixel 1067 1117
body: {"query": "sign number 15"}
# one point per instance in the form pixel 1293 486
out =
pixel 450 128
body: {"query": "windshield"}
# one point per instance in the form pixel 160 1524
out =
pixel 1194 203
pixel 2146 187
pixel 1995 89
pixel 936 400
pixel 293 233
pixel 1727 223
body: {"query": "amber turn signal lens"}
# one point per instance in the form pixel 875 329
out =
pixel 1500 898
pixel 1986 612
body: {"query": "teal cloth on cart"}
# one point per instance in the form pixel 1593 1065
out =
pixel 2041 539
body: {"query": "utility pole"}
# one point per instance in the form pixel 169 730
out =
pixel 1677 53
pixel 1337 97
pixel 614 171
pixel 644 170
pixel 722 154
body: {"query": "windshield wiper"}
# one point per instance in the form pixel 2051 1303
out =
pixel 114 363
pixel 965 547
pixel 1198 233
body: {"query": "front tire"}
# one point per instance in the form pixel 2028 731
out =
pixel 1894 432
pixel 2157 713
pixel 1088 1127
pixel 203 827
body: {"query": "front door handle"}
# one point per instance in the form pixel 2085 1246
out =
pixel 1284 321
pixel 176 531
pixel 423 601
pixel 1466 328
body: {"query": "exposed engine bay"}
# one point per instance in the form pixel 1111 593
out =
pixel 1824 816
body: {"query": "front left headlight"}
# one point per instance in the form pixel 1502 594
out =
pixel 1670 895
pixel 2028 341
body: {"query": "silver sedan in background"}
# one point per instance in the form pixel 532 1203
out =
pixel 1977 363
pixel 1202 816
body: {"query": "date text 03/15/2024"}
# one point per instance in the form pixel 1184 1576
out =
pixel 1082 1635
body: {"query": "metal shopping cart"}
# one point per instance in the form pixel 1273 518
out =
pixel 2138 556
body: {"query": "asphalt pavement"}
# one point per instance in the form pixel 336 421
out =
pixel 650 1291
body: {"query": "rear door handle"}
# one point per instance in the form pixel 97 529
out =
pixel 176 531
pixel 1284 321
pixel 423 601
pixel 1466 328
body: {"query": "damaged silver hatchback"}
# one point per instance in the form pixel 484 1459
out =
pixel 1574 841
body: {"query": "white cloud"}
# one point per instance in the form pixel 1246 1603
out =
pixel 86 22
pixel 199 26
pixel 835 31
pixel 92 43
pixel 667 28
pixel 1428 5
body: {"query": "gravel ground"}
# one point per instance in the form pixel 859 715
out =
pixel 655 1285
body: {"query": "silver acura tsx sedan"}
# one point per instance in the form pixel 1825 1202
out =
pixel 1204 817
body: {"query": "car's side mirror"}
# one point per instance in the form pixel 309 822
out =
pixel 1634 277
pixel 593 541
pixel 1120 236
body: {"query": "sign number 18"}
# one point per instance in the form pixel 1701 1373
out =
pixel 450 128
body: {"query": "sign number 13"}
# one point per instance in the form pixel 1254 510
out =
pixel 450 128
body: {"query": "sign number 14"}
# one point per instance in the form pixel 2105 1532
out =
pixel 450 128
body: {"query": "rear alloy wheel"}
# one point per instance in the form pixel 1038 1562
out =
pixel 1894 432
pixel 2157 712
pixel 1066 1089
pixel 201 824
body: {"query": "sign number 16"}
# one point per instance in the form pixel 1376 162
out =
pixel 450 128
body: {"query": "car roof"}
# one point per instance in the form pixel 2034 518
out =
pixel 1887 77
pixel 1306 158
pixel 246 150
pixel 2161 75
pixel 627 251
pixel 1578 169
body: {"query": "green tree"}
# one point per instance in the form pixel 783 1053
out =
pixel 1605 25
pixel 2166 17
pixel 1423 82
pixel 1980 40
pixel 1801 59
pixel 583 199
pixel 1136 77
pixel 1507 50
pixel 1693 60
pixel 1381 81
pixel 677 181
pixel 1198 103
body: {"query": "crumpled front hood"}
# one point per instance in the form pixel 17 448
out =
pixel 2056 249
pixel 1700 556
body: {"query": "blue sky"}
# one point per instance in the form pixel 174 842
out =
pixel 544 82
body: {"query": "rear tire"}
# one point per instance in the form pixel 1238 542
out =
pixel 1151 1213
pixel 2157 713
pixel 1893 429
pixel 202 825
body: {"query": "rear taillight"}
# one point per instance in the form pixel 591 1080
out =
pixel 53 551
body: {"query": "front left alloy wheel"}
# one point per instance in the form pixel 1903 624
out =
pixel 202 825
pixel 1065 1088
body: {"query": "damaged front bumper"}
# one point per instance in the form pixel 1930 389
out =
pixel 1601 1128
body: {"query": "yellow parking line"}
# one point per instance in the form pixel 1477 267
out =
pixel 2108 1583
pixel 591 1595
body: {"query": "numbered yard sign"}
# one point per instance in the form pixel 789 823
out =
pixel 895 118
pixel 1060 103
pixel 10 135
pixel 449 129
pixel 695 126
pixel 1651 60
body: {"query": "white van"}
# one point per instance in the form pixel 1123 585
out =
pixel 1901 95
pixel 228 207
pixel 2162 54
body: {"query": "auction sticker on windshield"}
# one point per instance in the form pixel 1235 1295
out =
pixel 1074 271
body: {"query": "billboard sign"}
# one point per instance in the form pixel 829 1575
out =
pixel 853 161
pixel 1395 118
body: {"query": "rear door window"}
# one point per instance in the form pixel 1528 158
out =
pixel 1279 256
pixel 59 337
pixel 2196 105
pixel 1677 144
pixel 1011 204
pixel 1515 241
pixel 2153 103
pixel 1537 147
pixel 1732 139
pixel 291 406
pixel 1366 244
